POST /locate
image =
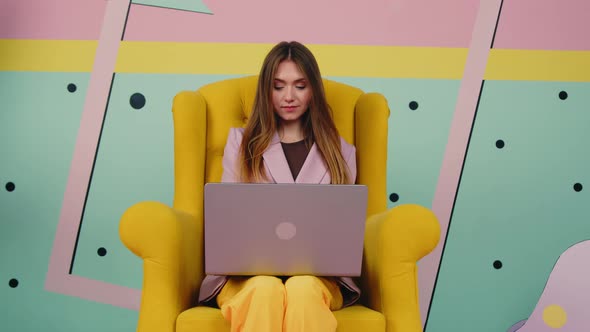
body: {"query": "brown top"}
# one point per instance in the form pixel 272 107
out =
pixel 296 153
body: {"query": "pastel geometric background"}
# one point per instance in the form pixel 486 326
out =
pixel 489 127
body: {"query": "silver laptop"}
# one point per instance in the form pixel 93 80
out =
pixel 284 229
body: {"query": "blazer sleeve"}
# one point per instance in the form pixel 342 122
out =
pixel 231 170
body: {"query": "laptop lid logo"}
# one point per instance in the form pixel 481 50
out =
pixel 286 230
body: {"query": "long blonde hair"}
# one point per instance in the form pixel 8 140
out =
pixel 318 125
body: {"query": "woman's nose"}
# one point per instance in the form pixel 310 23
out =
pixel 289 94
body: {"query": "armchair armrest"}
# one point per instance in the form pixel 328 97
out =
pixel 394 241
pixel 170 243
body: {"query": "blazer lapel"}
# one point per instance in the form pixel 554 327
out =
pixel 314 169
pixel 276 162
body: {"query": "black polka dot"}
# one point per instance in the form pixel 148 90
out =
pixel 101 252
pixel 72 87
pixel 497 265
pixel 562 95
pixel 499 144
pixel 413 105
pixel 137 100
pixel 13 283
pixel 394 197
pixel 10 187
pixel 578 187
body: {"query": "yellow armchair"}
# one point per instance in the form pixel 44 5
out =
pixel 170 239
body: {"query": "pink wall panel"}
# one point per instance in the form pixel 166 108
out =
pixel 51 19
pixel 545 25
pixel 371 22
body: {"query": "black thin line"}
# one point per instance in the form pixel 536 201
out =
pixel 126 18
pixel 497 22
pixel 454 203
pixel 91 174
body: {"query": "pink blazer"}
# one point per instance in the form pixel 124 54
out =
pixel 313 171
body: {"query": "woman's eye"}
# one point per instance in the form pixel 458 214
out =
pixel 278 87
pixel 300 87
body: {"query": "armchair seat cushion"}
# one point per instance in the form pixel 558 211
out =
pixel 359 318
pixel 350 319
pixel 202 319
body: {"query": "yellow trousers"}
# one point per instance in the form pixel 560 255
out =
pixel 265 304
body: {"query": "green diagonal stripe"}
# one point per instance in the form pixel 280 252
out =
pixel 189 5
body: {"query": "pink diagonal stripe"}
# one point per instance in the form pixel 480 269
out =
pixel 96 291
pixel 442 205
pixel 58 277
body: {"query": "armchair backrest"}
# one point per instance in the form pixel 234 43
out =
pixel 202 120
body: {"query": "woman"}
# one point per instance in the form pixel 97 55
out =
pixel 290 138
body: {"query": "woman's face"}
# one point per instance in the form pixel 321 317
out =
pixel 291 92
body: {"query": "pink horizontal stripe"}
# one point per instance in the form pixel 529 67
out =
pixel 372 22
pixel 458 140
pixel 544 25
pixel 51 19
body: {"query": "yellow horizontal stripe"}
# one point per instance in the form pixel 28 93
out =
pixel 391 61
pixel 334 60
pixel 538 65
pixel 189 58
pixel 47 55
